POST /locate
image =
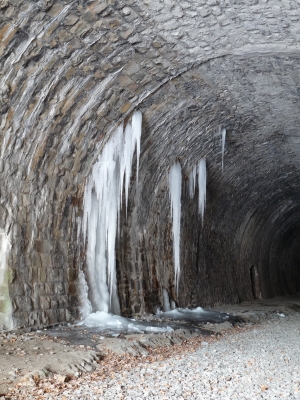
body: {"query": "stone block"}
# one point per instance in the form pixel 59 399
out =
pixel 54 303
pixel 45 302
pixel 42 272
pixel 44 319
pixel 73 301
pixel 51 317
pixel 33 318
pixel 46 260
pixel 20 319
pixel 61 315
pixel 49 288
pixel 23 303
pixel 43 246
pixel 40 288
pixel 70 20
pixel 59 288
pixel 71 274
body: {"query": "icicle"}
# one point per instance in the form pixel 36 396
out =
pixel 192 182
pixel 175 196
pixel 166 300
pixel 6 321
pixel 136 133
pixel 86 307
pixel 223 135
pixel 102 204
pixel 202 186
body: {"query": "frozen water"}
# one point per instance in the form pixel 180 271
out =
pixel 107 321
pixel 200 168
pixel 202 186
pixel 102 203
pixel 166 300
pixel 179 312
pixel 223 135
pixel 192 182
pixel 113 324
pixel 137 132
pixel 197 315
pixel 86 306
pixel 175 196
pixel 6 321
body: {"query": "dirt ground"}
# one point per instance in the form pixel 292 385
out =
pixel 28 356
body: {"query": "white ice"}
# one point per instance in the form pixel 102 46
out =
pixel 110 176
pixel 180 312
pixel 202 186
pixel 108 321
pixel 192 182
pixel 175 196
pixel 166 300
pixel 86 306
pixel 6 321
pixel 223 136
pixel 192 314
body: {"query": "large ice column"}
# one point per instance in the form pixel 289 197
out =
pixel 102 204
pixel 175 196
pixel 6 321
pixel 202 186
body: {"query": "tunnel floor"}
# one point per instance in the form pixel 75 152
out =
pixel 71 350
pixel 205 322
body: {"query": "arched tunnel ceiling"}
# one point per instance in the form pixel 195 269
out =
pixel 71 72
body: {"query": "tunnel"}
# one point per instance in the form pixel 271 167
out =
pixel 214 80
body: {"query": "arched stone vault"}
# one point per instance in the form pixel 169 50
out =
pixel 71 72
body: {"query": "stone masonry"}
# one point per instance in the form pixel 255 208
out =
pixel 72 71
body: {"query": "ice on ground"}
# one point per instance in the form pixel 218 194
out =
pixel 106 321
pixel 196 314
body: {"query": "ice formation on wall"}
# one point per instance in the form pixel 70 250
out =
pixel 85 304
pixel 200 168
pixel 223 136
pixel 166 300
pixel 202 186
pixel 175 196
pixel 5 303
pixel 102 203
pixel 192 182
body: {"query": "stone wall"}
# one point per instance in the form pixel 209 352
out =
pixel 71 72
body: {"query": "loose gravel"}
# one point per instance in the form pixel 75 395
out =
pixel 262 362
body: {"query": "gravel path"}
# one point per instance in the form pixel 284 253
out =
pixel 259 363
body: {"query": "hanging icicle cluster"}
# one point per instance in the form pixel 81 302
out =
pixel 102 204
